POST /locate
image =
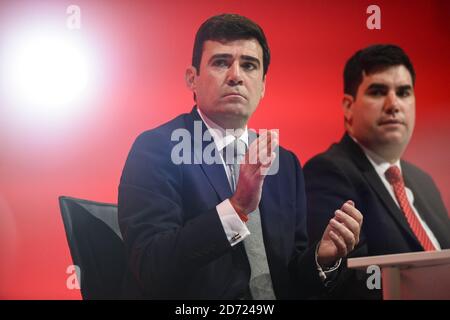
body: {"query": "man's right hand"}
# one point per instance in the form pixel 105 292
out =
pixel 258 159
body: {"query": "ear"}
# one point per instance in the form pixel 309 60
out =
pixel 347 107
pixel 189 77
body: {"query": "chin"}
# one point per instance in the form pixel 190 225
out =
pixel 394 139
pixel 235 109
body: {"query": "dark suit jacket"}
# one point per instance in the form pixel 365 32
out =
pixel 176 244
pixel 343 172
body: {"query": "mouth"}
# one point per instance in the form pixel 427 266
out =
pixel 234 95
pixel 391 122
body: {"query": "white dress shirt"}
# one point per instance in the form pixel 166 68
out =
pixel 380 165
pixel 235 229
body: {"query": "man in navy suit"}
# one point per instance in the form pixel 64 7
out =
pixel 402 207
pixel 200 229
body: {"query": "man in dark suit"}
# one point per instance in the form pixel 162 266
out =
pixel 200 229
pixel 403 210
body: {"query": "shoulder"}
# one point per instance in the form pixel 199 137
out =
pixel 289 162
pixel 415 173
pixel 150 156
pixel 287 155
pixel 161 135
pixel 336 168
pixel 155 145
pixel 334 158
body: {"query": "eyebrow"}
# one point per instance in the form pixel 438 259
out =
pixel 228 56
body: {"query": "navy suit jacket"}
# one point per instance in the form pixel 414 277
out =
pixel 176 244
pixel 343 172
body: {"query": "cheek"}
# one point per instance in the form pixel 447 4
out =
pixel 365 120
pixel 411 119
pixel 360 122
pixel 412 111
pixel 207 86
pixel 256 88
pixel 371 111
pixel 360 113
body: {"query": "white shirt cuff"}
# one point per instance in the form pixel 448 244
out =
pixel 235 229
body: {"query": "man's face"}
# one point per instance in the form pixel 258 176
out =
pixel 382 115
pixel 230 83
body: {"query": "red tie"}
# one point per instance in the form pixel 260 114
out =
pixel 395 178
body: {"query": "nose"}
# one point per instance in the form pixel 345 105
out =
pixel 234 77
pixel 391 104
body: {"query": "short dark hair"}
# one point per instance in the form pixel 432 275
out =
pixel 229 27
pixel 374 59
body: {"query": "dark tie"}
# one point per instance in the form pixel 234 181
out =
pixel 260 284
pixel 394 176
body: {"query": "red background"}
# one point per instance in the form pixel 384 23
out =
pixel 142 50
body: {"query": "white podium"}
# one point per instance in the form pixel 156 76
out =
pixel 407 276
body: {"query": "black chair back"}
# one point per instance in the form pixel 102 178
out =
pixel 96 246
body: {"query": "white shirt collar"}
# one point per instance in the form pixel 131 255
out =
pixel 221 136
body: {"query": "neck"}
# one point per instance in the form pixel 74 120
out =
pixel 237 124
pixel 389 153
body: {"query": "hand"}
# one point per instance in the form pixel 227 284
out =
pixel 341 235
pixel 252 172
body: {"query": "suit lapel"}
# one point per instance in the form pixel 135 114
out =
pixel 218 179
pixel 376 184
pixel 215 172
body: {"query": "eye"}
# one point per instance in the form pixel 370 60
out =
pixel 376 92
pixel 403 93
pixel 220 63
pixel 249 66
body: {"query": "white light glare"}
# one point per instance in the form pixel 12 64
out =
pixel 47 72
